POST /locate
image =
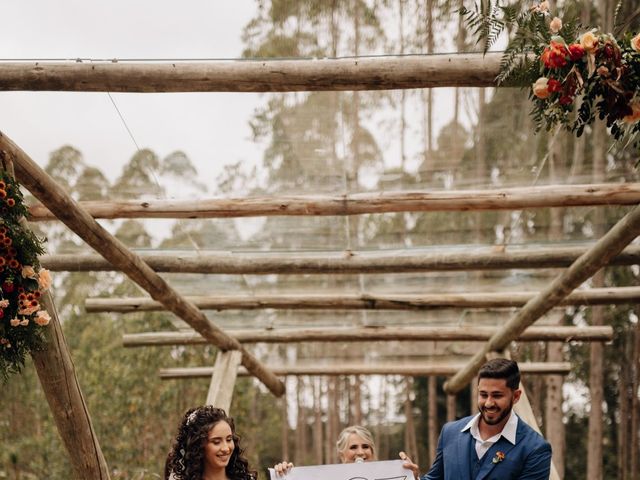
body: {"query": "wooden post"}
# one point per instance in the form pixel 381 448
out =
pixel 285 430
pixel 554 425
pixel 411 443
pixel 318 438
pixel 57 375
pixel 608 246
pixel 223 379
pixel 60 385
pixel 43 187
pixel 451 407
pixel 432 417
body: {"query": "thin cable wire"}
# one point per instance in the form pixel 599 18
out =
pixel 124 122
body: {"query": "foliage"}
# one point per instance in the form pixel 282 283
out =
pixel 575 78
pixel 22 282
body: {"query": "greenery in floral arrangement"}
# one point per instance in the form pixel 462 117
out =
pixel 575 75
pixel 22 282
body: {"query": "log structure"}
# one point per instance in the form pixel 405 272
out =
pixel 223 379
pixel 613 242
pixel 418 369
pixel 300 301
pixel 375 73
pixel 43 187
pixel 57 374
pixel 393 261
pixel 363 203
pixel 370 334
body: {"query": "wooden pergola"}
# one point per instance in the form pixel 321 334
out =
pixel 573 264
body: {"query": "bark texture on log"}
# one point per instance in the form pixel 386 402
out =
pixel 589 263
pixel 365 334
pixel 363 203
pixel 305 301
pixel 405 369
pixel 43 187
pixel 57 375
pixel 346 262
pixel 425 71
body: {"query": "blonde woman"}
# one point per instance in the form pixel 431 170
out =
pixel 355 444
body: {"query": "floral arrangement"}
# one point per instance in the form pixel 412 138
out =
pixel 498 457
pixel 573 75
pixel 22 282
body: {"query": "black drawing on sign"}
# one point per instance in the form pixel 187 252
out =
pixel 401 477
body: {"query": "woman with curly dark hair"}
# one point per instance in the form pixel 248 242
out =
pixel 207 448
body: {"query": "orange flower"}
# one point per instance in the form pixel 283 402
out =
pixel 541 88
pixel 635 113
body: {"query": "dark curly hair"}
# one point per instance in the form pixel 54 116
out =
pixel 186 459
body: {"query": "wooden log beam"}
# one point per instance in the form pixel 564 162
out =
pixel 622 233
pixel 421 369
pixel 302 301
pixel 57 374
pixel 361 203
pixel 370 334
pixel 45 189
pixel 390 261
pixel 373 73
pixel 60 385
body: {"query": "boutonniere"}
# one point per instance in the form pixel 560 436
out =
pixel 498 458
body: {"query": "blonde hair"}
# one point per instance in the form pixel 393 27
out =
pixel 343 439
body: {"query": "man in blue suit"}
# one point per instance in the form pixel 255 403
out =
pixel 493 444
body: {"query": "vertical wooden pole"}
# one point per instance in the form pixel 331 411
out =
pixel 473 400
pixel 635 401
pixel 432 417
pixel 411 442
pixel 451 407
pixel 317 424
pixel 596 362
pixel 223 379
pixel 285 427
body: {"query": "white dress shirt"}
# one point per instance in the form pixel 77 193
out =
pixel 508 432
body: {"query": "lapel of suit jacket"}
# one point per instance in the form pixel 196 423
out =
pixel 464 449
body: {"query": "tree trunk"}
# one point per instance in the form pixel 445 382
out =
pixel 317 425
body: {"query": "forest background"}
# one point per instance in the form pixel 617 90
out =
pixel 329 142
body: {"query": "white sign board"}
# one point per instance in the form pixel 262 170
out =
pixel 389 470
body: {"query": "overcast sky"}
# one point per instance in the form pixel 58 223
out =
pixel 211 128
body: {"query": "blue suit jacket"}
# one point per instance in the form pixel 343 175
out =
pixel 528 459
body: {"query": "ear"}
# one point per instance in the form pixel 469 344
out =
pixel 516 395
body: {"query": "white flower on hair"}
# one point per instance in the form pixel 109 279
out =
pixel 192 416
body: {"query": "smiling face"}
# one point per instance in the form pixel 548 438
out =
pixel 495 400
pixel 357 447
pixel 218 446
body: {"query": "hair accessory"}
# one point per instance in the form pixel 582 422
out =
pixel 192 416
